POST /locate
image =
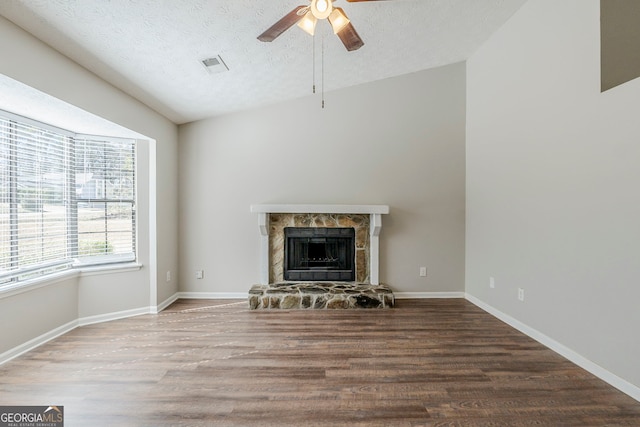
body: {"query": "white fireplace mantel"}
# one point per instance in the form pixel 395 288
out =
pixel 375 212
pixel 328 209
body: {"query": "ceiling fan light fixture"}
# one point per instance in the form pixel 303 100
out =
pixel 338 20
pixel 321 9
pixel 308 23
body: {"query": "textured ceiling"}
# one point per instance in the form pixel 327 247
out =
pixel 152 49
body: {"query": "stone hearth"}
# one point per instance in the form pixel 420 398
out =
pixel 320 295
pixel 274 292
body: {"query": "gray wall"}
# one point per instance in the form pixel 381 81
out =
pixel 35 64
pixel 398 142
pixel 552 184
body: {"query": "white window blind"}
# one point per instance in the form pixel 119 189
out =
pixel 105 199
pixel 63 199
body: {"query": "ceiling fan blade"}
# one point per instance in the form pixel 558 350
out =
pixel 282 25
pixel 350 38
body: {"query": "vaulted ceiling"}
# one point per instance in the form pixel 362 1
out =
pixel 152 49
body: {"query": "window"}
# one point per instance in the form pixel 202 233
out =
pixel 105 199
pixel 65 199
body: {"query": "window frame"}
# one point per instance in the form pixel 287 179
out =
pixel 16 277
pixel 114 258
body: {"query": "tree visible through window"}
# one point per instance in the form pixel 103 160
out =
pixel 64 199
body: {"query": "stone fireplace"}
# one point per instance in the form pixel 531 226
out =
pixel 366 220
pixel 320 256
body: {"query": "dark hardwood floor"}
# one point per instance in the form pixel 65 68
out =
pixel 215 363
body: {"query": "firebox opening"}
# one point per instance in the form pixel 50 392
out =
pixel 319 254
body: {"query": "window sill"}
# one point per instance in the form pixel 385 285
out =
pixel 50 279
pixel 124 267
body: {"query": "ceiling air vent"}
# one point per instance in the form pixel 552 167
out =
pixel 215 65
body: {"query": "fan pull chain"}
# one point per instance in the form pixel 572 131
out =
pixel 313 64
pixel 322 60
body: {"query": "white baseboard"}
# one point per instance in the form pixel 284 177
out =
pixel 425 295
pixel 213 295
pixel 38 341
pixel 166 303
pixel 610 378
pixel 68 327
pixel 100 318
pixel 244 295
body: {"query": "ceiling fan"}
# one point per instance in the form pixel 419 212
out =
pixel 307 16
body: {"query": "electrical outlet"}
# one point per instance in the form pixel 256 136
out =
pixel 423 271
pixel 169 276
pixel 199 274
pixel 521 294
pixel 492 282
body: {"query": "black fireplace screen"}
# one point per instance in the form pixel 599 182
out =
pixel 319 254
